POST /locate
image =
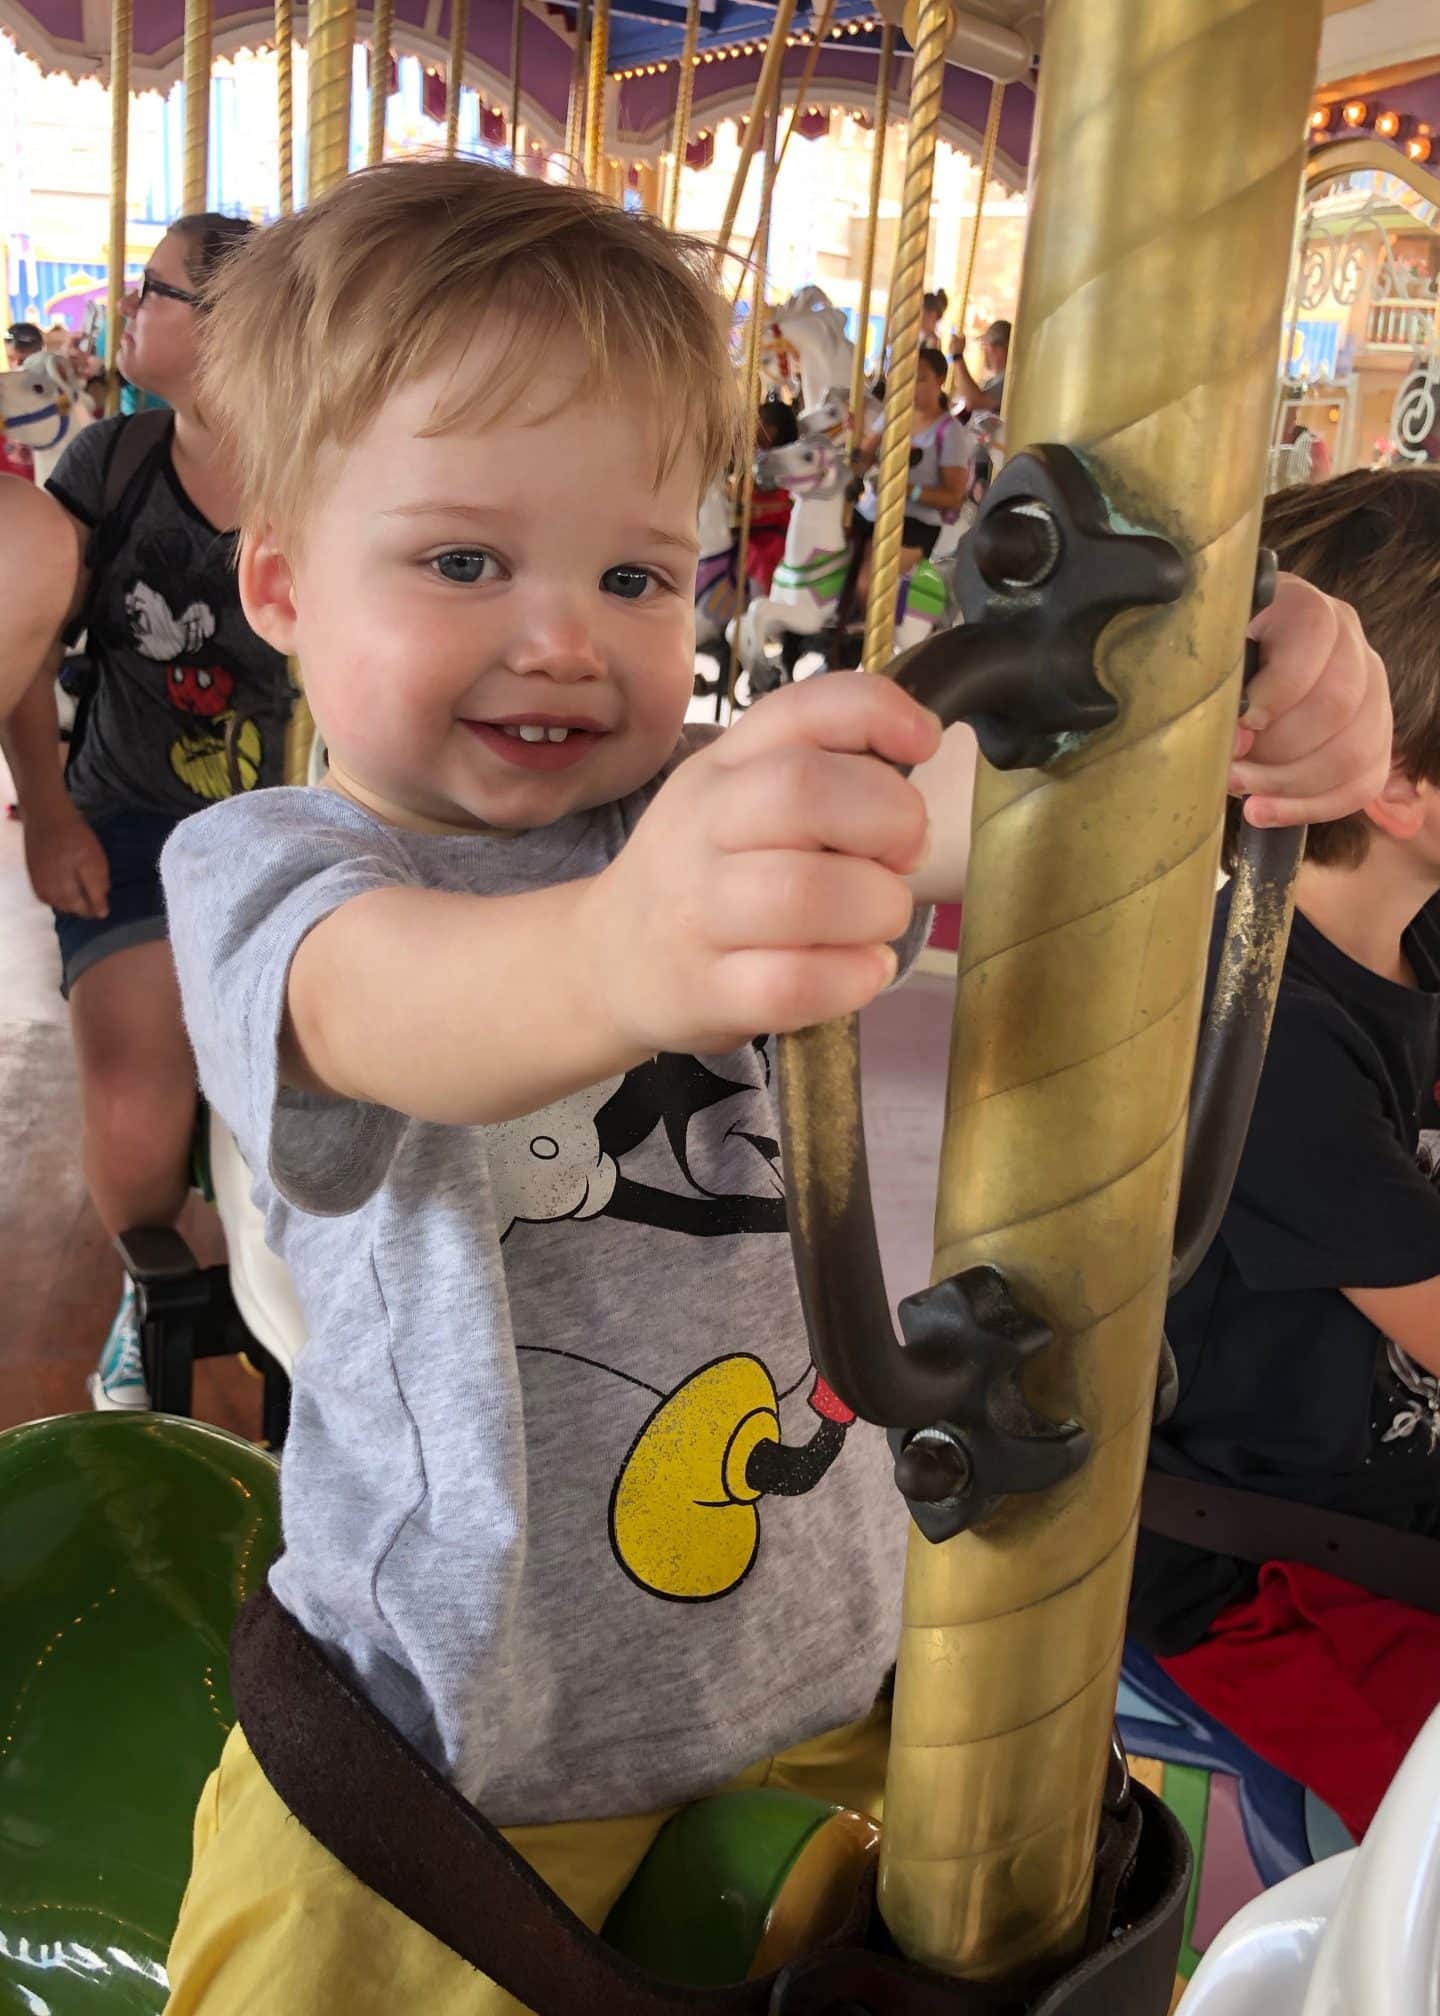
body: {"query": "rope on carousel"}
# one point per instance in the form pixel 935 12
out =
pixel 198 36
pixel 121 37
pixel 455 72
pixel 771 115
pixel 987 163
pixel 381 31
pixel 595 96
pixel 684 98
pixel 767 92
pixel 867 262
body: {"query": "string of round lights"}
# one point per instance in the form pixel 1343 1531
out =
pixel 1360 115
pixel 799 40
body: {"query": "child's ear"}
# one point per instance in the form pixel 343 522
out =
pixel 1400 809
pixel 267 590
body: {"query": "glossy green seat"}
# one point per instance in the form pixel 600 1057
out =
pixel 127 1544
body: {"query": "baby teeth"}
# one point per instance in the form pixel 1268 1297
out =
pixel 531 731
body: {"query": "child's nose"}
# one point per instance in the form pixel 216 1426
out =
pixel 561 647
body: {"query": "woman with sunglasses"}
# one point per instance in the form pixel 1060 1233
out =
pixel 184 703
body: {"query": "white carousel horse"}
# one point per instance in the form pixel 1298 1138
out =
pixel 1355 1935
pixel 715 576
pixel 41 409
pixel 805 337
pixel 809 581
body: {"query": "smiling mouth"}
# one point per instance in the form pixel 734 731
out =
pixel 538 744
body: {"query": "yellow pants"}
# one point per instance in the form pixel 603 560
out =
pixel 273 1925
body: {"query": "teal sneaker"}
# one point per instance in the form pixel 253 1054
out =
pixel 119 1379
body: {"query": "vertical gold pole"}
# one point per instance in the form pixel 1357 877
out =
pixel 867 261
pixel 771 115
pixel 575 113
pixel 455 73
pixel 767 92
pixel 121 36
pixel 807 78
pixel 684 98
pixel 197 105
pixel 332 38
pixel 595 96
pixel 1086 922
pixel 517 156
pixel 907 289
pixel 987 164
pixel 332 43
pixel 285 101
pixel 381 30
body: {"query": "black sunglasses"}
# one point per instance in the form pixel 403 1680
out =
pixel 149 286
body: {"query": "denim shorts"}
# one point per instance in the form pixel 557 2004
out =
pixel 132 842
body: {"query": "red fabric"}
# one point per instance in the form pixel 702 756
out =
pixel 16 461
pixel 769 520
pixel 1327 1682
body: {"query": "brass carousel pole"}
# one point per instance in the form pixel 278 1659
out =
pixel 595 95
pixel 867 261
pixel 285 100
pixel 198 35
pixel 455 73
pixel 684 98
pixel 770 114
pixel 332 43
pixel 987 164
pixel 1169 144
pixel 767 92
pixel 797 109
pixel 929 34
pixel 575 111
pixel 381 30
pixel 516 19
pixel 121 37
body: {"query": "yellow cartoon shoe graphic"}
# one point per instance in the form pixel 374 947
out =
pixel 685 1511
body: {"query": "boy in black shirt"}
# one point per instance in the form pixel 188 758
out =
pixel 1308 1342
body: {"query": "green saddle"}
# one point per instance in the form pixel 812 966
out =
pixel 129 1543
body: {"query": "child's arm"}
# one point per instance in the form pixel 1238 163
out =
pixel 1314 742
pixel 1410 1316
pixel 760 891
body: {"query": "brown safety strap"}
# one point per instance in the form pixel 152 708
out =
pixel 371 1799
pixel 1253 1526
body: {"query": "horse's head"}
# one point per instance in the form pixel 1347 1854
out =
pixel 830 418
pixel 813 466
pixel 39 403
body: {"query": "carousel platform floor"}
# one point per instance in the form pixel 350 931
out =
pixel 59 1279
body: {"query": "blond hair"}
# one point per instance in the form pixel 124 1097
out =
pixel 315 322
pixel 1372 539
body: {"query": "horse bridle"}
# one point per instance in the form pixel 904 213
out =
pixel 58 410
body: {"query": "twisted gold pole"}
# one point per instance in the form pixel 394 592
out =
pixel 907 289
pixel 121 40
pixel 752 384
pixel 197 105
pixel 595 96
pixel 381 30
pixel 867 260
pixel 684 98
pixel 575 111
pixel 1086 922
pixel 987 164
pixel 455 72
pixel 332 38
pixel 285 101
pixel 767 92
pixel 332 42
pixel 807 78
pixel 516 18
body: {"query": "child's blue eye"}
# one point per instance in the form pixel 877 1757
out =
pixel 463 568
pixel 626 581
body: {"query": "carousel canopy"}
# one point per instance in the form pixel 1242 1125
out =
pixel 994 38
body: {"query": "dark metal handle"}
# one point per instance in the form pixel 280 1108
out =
pixel 1038 579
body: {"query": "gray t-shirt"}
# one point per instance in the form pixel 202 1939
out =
pixel 539 1354
pixel 945 444
pixel 179 667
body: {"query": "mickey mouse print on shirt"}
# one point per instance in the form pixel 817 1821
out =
pixel 681 1147
pixel 198 685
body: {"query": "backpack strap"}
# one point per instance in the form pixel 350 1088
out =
pixel 127 468
pixel 1252 1526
